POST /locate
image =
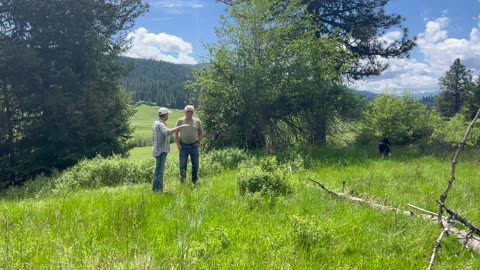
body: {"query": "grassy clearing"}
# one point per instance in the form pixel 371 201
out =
pixel 211 226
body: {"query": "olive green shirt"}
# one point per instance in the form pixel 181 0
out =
pixel 189 135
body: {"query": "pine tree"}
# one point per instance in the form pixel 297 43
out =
pixel 453 89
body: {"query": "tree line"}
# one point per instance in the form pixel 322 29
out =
pixel 157 82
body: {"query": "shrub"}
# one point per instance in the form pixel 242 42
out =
pixel 403 120
pixel 101 171
pixel 266 178
pixel 449 133
pixel 218 160
pixel 308 232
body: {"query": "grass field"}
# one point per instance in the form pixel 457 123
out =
pixel 212 226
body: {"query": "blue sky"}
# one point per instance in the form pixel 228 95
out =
pixel 176 31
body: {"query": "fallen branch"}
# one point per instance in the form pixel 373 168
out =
pixel 438 243
pixel 423 210
pixel 473 229
pixel 467 240
pixel 360 200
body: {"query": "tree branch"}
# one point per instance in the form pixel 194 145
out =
pixel 444 195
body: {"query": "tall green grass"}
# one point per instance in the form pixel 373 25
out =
pixel 212 226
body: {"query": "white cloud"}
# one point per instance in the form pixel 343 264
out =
pixel 160 46
pixel 438 51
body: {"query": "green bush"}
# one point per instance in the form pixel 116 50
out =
pixel 101 171
pixel 448 133
pixel 309 233
pixel 215 161
pixel 266 178
pixel 403 120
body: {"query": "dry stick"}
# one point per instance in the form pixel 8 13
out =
pixel 444 195
pixel 439 241
pixel 360 200
pixel 465 238
pixel 423 210
pixel 468 240
pixel 464 221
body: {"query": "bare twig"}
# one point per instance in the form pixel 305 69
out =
pixel 473 229
pixel 423 210
pixel 444 195
pixel 438 243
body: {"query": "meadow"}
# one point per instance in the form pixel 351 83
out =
pixel 118 223
pixel 143 119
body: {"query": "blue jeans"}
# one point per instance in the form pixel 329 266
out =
pixel 192 150
pixel 159 169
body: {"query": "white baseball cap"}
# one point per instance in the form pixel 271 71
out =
pixel 163 111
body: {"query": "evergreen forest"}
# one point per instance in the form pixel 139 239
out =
pixel 157 82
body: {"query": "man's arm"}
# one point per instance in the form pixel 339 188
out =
pixel 177 137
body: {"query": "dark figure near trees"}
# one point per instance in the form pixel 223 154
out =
pixel 384 147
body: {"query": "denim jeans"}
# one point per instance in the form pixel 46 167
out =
pixel 159 169
pixel 192 150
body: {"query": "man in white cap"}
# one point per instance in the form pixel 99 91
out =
pixel 161 146
pixel 188 141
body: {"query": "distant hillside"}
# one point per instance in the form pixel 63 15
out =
pixel 369 96
pixel 162 83
pixel 157 82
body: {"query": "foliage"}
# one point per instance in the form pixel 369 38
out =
pixel 360 26
pixel 472 101
pixel 157 82
pixel 228 158
pixel 402 120
pixel 271 80
pixel 448 133
pixel 309 233
pixel 266 178
pixel 71 105
pixel 454 88
pixel 101 172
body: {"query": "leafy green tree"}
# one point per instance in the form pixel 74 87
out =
pixel 449 132
pixel 359 25
pixel 268 75
pixel 402 120
pixel 59 87
pixel 453 89
pixel 472 101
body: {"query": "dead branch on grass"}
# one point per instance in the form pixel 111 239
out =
pixel 473 229
pixel 360 200
pixel 466 238
pixel 438 243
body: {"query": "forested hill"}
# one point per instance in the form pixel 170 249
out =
pixel 157 81
pixel 162 83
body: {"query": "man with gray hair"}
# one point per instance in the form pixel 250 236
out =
pixel 188 140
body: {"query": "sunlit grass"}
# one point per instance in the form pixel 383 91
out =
pixel 210 226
